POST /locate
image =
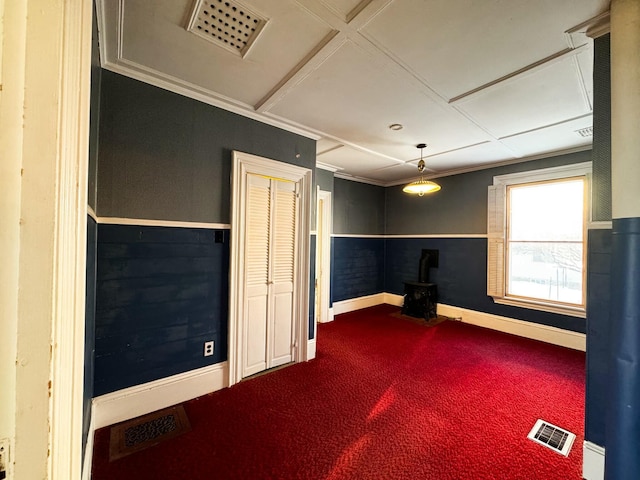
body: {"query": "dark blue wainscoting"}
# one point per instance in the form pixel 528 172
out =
pixel 161 293
pixel 358 267
pixel 598 327
pixel 312 285
pixel 623 392
pixel 332 266
pixel 461 277
pixel 89 328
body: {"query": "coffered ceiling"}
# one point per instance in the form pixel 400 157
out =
pixel 480 81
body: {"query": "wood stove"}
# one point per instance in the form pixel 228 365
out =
pixel 420 298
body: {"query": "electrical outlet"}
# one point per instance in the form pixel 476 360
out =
pixel 208 348
pixel 4 458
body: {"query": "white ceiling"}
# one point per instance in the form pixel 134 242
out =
pixel 480 81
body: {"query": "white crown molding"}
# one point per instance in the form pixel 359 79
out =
pixel 353 178
pixel 599 26
pixel 172 84
pixel 327 167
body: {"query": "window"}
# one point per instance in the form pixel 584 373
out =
pixel 537 239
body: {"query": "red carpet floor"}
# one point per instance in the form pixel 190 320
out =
pixel 385 399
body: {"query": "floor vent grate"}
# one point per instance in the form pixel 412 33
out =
pixel 226 23
pixel 553 437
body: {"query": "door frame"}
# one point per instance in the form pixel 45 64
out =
pixel 323 243
pixel 244 164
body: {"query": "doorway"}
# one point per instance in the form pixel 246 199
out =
pixel 269 265
pixel 323 258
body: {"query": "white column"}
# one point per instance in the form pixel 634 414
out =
pixel 625 108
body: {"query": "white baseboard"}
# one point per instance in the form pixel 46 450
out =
pixel 88 450
pixel 593 461
pixel 146 398
pixel 393 299
pixel 330 316
pixel 311 349
pixel 535 331
pixel 352 304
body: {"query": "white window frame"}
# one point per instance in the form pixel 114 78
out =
pixel 497 233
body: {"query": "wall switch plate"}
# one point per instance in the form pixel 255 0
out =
pixel 4 458
pixel 208 348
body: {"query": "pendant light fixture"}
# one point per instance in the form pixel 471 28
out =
pixel 421 186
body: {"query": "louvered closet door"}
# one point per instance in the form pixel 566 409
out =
pixel 256 274
pixel 283 256
pixel 269 273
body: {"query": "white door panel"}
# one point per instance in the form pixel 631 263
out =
pixel 270 273
pixel 255 347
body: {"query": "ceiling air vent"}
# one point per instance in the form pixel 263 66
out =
pixel 585 132
pixel 228 24
pixel 552 437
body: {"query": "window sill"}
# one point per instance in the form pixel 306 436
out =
pixel 544 307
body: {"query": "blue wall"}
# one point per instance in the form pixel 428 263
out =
pixel 89 327
pixel 358 267
pixel 312 287
pixel 598 327
pixel 161 293
pixel 92 233
pixel 461 277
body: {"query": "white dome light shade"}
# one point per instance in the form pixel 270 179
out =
pixel 422 186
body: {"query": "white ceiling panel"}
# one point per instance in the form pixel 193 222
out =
pixel 155 37
pixel 457 46
pixel 351 96
pixel 357 161
pixel 341 7
pixel 558 137
pixel 585 63
pixel 326 144
pixel 536 99
pixel 469 157
pixel 394 173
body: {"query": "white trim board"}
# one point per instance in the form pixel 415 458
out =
pixel 88 450
pixel 91 212
pixel 359 303
pixel 147 222
pixel 593 461
pixel 311 349
pixel 534 331
pixel 149 397
pixel 426 235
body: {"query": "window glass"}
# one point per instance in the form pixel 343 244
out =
pixel 545 241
